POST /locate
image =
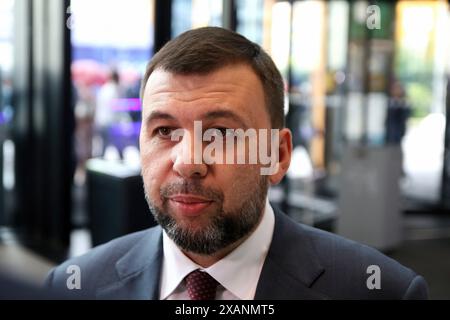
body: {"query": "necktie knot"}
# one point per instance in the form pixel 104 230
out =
pixel 201 286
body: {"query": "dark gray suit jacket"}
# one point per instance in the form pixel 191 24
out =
pixel 302 263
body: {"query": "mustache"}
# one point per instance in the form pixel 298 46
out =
pixel 190 187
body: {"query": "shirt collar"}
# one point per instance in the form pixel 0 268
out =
pixel 249 256
pixel 176 266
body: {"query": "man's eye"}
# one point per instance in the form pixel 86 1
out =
pixel 164 132
pixel 221 131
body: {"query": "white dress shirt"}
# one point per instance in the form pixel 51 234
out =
pixel 237 273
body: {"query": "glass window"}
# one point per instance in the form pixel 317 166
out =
pixel 6 107
pixel 6 60
pixel 112 41
pixel 251 26
pixel 420 59
pixel 191 14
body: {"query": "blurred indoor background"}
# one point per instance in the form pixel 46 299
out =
pixel 367 99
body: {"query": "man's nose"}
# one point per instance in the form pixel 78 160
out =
pixel 187 157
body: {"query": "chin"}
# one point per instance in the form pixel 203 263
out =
pixel 193 223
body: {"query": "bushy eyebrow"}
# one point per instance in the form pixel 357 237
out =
pixel 158 115
pixel 211 115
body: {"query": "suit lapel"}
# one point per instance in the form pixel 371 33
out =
pixel 289 271
pixel 291 266
pixel 139 271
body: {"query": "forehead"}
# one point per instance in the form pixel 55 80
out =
pixel 235 87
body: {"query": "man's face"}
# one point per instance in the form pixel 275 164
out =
pixel 203 207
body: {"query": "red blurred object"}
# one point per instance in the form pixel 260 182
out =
pixel 129 76
pixel 89 72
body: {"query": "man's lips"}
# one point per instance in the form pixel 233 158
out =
pixel 189 205
pixel 188 199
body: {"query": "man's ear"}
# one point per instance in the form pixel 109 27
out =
pixel 284 156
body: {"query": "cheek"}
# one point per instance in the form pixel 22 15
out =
pixel 155 166
pixel 237 182
pixel 151 180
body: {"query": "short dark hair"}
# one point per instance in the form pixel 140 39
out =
pixel 203 50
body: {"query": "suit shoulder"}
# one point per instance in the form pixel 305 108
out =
pixel 348 264
pixel 98 264
pixel 340 250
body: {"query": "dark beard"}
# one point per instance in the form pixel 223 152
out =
pixel 225 227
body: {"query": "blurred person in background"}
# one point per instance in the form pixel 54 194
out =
pixel 84 100
pixel 218 236
pixel 104 110
pixel 133 92
pixel 6 97
pixel 398 112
